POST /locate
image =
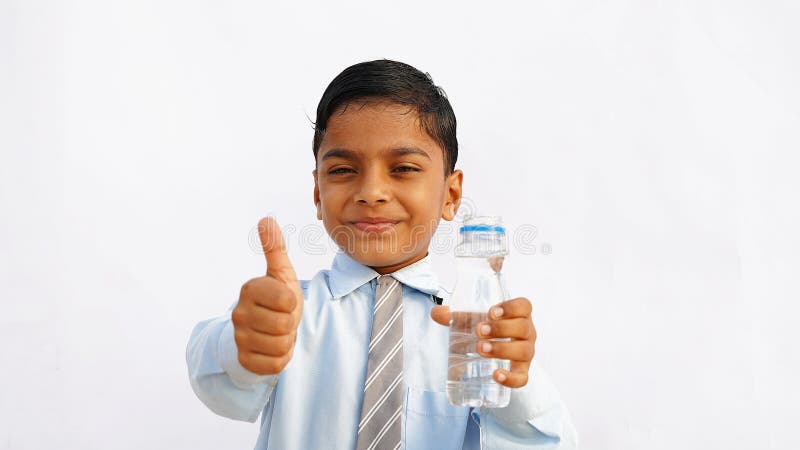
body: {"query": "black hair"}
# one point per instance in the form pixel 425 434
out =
pixel 397 82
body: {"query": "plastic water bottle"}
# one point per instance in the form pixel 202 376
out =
pixel 479 286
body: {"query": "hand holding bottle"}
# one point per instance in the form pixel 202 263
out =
pixel 510 319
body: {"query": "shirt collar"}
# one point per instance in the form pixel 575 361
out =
pixel 347 275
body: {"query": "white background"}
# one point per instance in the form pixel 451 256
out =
pixel 651 144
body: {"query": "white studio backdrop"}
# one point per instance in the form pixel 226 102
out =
pixel 648 149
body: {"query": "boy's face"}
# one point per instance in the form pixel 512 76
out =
pixel 379 185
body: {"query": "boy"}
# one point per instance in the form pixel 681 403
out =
pixel 356 357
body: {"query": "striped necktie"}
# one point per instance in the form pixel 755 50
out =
pixel 381 410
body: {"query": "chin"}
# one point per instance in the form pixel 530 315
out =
pixel 384 249
pixel 376 258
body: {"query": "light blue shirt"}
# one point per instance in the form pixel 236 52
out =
pixel 315 402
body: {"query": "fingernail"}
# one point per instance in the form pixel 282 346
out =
pixel 485 329
pixel 501 377
pixel 486 347
pixel 497 312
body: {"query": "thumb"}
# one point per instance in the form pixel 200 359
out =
pixel 441 315
pixel 274 246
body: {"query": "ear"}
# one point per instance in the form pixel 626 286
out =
pixel 452 194
pixel 317 201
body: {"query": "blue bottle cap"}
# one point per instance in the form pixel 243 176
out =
pixel 495 228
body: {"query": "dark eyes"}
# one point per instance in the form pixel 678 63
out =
pixel 343 170
pixel 407 169
pixel 340 170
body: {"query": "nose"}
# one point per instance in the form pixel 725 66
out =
pixel 373 189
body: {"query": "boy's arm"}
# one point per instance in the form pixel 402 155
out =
pixel 218 378
pixel 535 417
pixel 234 361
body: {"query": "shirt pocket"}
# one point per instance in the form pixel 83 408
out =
pixel 432 422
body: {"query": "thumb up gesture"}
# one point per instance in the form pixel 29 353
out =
pixel 266 318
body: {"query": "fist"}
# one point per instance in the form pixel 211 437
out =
pixel 266 318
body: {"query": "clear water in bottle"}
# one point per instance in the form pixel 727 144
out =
pixel 470 376
pixel 479 286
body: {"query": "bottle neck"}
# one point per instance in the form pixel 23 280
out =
pixel 479 284
pixel 483 244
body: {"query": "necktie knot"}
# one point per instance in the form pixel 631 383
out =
pixel 385 279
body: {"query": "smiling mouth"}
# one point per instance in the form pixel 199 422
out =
pixel 370 226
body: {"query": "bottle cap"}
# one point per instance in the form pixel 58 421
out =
pixel 482 236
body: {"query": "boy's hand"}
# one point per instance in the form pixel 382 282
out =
pixel 266 318
pixel 510 319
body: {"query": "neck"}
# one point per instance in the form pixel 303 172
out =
pixel 383 270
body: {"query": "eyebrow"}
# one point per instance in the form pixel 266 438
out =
pixel 410 151
pixel 350 154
